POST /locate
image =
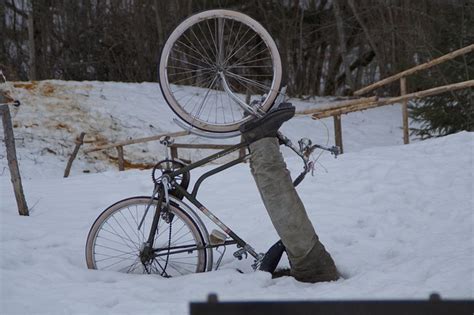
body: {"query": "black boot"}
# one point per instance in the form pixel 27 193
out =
pixel 268 125
pixel 272 257
pixel 316 266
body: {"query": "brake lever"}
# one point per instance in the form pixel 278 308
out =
pixel 334 150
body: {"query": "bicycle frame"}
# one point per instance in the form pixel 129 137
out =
pixel 191 197
pixel 168 183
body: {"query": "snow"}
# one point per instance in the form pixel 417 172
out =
pixel 397 219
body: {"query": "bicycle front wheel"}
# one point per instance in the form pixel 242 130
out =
pixel 114 242
pixel 211 50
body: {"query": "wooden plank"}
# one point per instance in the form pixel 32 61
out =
pixel 434 91
pixel 403 91
pixel 12 159
pixel 201 146
pixel 410 71
pixel 138 140
pixel 338 132
pixel 358 101
pixel 174 152
pixel 79 142
pixel 121 163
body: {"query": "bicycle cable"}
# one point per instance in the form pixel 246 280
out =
pixel 316 160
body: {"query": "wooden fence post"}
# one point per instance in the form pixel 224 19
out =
pixel 242 150
pixel 174 152
pixel 338 132
pixel 12 160
pixel 121 164
pixel 403 91
pixel 79 142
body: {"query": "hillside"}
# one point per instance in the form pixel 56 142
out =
pixel 397 219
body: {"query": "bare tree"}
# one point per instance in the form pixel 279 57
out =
pixel 342 43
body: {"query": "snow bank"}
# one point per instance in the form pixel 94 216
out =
pixel 398 221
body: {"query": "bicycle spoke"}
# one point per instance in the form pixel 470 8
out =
pixel 113 241
pixel 213 39
pixel 113 264
pixel 126 241
pixel 194 76
pixel 170 265
pixel 232 46
pixel 202 54
pixel 126 236
pixel 186 62
pixel 244 64
pixel 200 44
pixel 200 71
pixel 192 56
pixel 136 263
pixel 204 101
pixel 121 256
pixel 134 230
pixel 183 270
pixel 253 82
pixel 245 58
pixel 114 249
pixel 240 48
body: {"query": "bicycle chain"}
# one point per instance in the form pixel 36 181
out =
pixel 169 249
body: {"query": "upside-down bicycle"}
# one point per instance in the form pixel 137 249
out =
pixel 218 70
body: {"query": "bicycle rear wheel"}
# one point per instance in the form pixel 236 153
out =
pixel 114 241
pixel 208 48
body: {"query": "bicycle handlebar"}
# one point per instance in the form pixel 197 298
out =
pixel 304 152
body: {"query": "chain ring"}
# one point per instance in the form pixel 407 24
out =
pixel 166 167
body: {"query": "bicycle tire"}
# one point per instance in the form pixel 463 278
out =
pixel 113 242
pixel 187 59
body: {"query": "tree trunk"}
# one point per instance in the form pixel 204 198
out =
pixel 368 36
pixel 31 44
pixel 319 68
pixel 3 53
pixel 342 44
pixel 159 25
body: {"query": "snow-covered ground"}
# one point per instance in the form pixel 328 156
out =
pixel 54 113
pixel 398 219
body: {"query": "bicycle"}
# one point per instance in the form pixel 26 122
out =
pixel 161 234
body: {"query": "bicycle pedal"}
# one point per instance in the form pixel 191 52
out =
pixel 217 237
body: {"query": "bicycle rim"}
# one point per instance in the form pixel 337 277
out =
pixel 114 241
pixel 209 44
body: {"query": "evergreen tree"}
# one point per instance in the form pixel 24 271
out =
pixel 449 112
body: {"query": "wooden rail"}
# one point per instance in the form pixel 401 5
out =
pixel 119 147
pixel 138 140
pixel 359 101
pixel 411 71
pixel 340 110
pixel 370 102
pixel 173 147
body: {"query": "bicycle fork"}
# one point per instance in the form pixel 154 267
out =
pixel 146 251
